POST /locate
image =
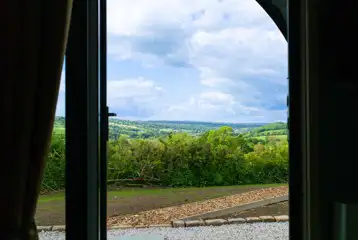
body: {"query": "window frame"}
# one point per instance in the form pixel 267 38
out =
pixel 82 185
pixel 86 98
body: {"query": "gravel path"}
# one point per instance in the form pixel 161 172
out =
pixel 165 215
pixel 255 231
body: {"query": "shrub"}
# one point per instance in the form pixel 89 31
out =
pixel 217 157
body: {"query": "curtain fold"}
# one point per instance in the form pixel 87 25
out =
pixel 33 47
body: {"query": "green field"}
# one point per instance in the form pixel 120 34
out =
pixel 135 192
pixel 59 130
pixel 272 137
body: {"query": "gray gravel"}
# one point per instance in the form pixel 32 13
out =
pixel 254 231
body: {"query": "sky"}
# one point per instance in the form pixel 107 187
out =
pixel 202 60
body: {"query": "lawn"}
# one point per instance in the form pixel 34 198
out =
pixel 51 207
pixel 280 137
pixel 59 130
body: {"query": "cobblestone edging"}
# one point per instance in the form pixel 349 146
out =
pixel 219 221
pixel 188 223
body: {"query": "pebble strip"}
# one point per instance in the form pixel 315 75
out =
pixel 189 223
pixel 249 231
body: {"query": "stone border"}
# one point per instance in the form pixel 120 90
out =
pixel 237 208
pixel 186 223
pixel 219 221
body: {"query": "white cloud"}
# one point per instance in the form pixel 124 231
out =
pixel 172 24
pixel 133 97
pixel 214 98
pixel 216 106
pixel 140 88
pixel 137 17
pixel 239 53
pixel 200 107
pixel 217 82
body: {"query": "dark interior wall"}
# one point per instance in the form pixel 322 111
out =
pixel 330 71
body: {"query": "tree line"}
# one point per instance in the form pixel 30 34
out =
pixel 215 158
pixel 156 129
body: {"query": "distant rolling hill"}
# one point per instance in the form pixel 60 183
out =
pixel 148 129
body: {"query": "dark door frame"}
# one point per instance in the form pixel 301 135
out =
pixel 82 138
pixel 297 124
pixel 104 115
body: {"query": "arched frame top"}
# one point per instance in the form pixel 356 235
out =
pixel 277 10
